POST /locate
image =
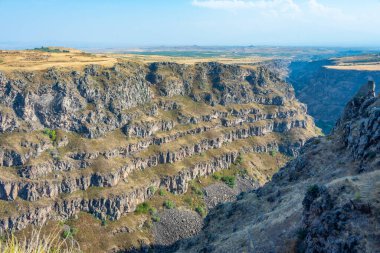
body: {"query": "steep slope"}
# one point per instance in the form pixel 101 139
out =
pixel 326 200
pixel 326 91
pixel 102 140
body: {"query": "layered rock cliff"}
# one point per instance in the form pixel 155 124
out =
pixel 325 200
pixel 326 91
pixel 99 140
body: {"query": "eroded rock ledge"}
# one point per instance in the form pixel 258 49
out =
pixel 98 140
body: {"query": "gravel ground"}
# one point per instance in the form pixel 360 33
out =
pixel 220 192
pixel 176 224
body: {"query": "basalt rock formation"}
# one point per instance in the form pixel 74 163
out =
pixel 326 91
pixel 325 200
pixel 99 140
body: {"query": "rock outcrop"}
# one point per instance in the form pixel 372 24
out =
pixel 325 200
pixel 326 91
pixel 98 140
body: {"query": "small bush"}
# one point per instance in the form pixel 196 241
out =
pixel 229 180
pixel 148 224
pixel 273 153
pixel 104 222
pixel 243 172
pixel 156 218
pixel 152 189
pixel 217 176
pixel 51 133
pixel 239 159
pixel 188 200
pixel 152 211
pixel 197 190
pixel 201 211
pixel 143 208
pixel 161 192
pixel 169 204
pixel 70 233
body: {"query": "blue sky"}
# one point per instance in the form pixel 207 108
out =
pixel 134 23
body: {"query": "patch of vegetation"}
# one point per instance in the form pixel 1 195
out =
pixel 148 224
pixel 357 196
pixel 152 189
pixel 201 211
pixel 229 180
pixel 197 190
pixel 69 233
pixel 216 176
pixel 50 50
pixel 36 242
pixel 169 204
pixel 51 133
pixel 273 153
pixel 156 218
pixel 144 208
pixel 239 159
pixel 243 172
pixel 104 222
pixel 161 192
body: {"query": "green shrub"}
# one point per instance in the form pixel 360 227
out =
pixel 51 133
pixel 143 208
pixel 156 218
pixel 161 192
pixel 188 200
pixel 152 211
pixel 229 180
pixel 197 190
pixel 152 189
pixel 216 176
pixel 201 211
pixel 148 224
pixel 273 153
pixel 70 233
pixel 104 222
pixel 169 204
pixel 243 172
pixel 239 159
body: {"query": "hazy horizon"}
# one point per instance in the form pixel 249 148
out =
pixel 144 23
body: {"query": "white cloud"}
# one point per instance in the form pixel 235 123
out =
pixel 272 5
pixel 327 11
pixel 317 7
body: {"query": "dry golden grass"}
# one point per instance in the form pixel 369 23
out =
pixel 190 60
pixel 361 63
pixel 36 240
pixel 32 60
pixel 366 67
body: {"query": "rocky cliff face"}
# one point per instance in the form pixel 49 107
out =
pixel 326 91
pixel 100 139
pixel 325 200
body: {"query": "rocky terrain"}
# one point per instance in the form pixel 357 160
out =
pixel 102 140
pixel 325 200
pixel 326 91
